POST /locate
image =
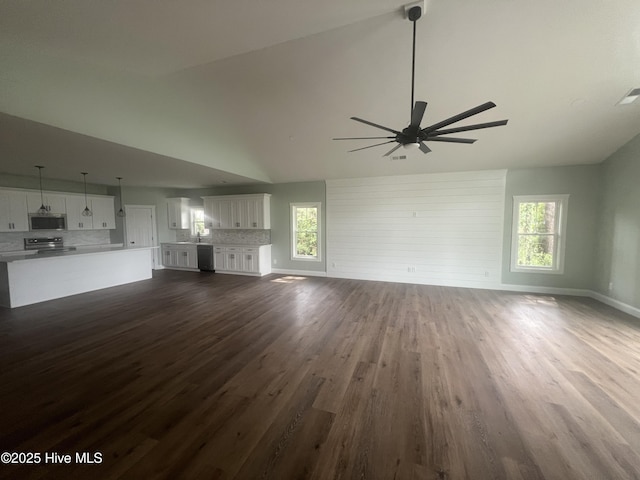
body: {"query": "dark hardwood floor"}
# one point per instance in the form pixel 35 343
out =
pixel 204 376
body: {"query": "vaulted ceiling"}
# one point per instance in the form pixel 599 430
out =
pixel 194 93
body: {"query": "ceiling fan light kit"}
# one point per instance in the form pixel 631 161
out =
pixel 414 136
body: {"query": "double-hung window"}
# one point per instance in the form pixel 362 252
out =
pixel 197 222
pixel 539 229
pixel 305 231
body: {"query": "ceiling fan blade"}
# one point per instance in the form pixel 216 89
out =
pixel 375 125
pixel 371 146
pixel 477 126
pixel 451 139
pixel 424 148
pixel 392 150
pixel 360 138
pixel 460 116
pixel 418 113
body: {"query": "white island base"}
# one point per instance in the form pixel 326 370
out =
pixel 37 278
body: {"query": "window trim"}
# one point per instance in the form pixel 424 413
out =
pixel 292 216
pixel 562 201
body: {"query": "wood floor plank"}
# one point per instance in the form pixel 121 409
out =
pixel 217 376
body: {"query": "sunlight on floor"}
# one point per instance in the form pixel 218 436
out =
pixel 537 299
pixel 288 279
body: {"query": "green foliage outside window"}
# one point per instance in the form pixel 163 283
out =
pixel 536 234
pixel 306 229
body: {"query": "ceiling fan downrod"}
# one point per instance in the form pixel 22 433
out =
pixel 414 15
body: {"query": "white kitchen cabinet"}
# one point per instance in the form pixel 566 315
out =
pixel 210 212
pixel 234 259
pixel 242 260
pixel 103 215
pixel 55 204
pixel 75 220
pixel 250 260
pixel 238 211
pixel 226 214
pixel 178 213
pixel 104 212
pixel 180 256
pixel 13 211
pixel 219 258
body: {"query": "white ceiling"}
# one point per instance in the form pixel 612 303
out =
pixel 194 93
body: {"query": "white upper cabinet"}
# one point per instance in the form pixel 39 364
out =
pixel 17 204
pixel 238 211
pixel 13 211
pixel 75 220
pixel 178 213
pixel 104 213
pixel 54 203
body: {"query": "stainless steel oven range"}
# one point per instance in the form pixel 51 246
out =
pixel 46 245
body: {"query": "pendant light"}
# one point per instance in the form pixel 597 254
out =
pixel 86 212
pixel 42 210
pixel 121 211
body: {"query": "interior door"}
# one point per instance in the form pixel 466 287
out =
pixel 140 228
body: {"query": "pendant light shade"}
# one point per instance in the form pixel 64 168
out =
pixel 86 212
pixel 121 211
pixel 43 209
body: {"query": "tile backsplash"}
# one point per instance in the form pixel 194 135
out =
pixel 13 241
pixel 229 237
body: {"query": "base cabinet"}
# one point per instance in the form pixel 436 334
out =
pixel 180 256
pixel 242 260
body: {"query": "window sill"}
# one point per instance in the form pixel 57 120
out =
pixel 545 271
pixel 306 259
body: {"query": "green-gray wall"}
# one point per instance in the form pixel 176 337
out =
pixel 145 196
pixel 582 183
pixel 618 260
pixel 282 195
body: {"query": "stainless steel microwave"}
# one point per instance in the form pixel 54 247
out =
pixel 47 222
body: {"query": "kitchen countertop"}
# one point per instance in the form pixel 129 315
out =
pixel 219 244
pixel 72 253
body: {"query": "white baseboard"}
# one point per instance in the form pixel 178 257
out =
pixel 576 292
pixel 302 273
pixel 617 304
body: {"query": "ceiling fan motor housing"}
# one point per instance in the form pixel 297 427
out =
pixel 413 11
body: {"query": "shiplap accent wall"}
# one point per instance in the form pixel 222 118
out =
pixel 438 229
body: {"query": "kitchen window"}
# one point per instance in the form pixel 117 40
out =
pixel 539 230
pixel 305 231
pixel 197 222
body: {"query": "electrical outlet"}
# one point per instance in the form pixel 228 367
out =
pixel 275 261
pixel 610 286
pixel 486 273
pixel 333 264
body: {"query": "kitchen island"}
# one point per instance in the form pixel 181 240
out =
pixel 27 279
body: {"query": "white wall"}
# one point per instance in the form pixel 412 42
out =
pixel 446 226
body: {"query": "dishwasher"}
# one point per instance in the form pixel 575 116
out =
pixel 205 258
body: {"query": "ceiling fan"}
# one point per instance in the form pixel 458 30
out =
pixel 415 137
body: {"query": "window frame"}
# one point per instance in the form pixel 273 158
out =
pixel 560 220
pixel 192 222
pixel 293 231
